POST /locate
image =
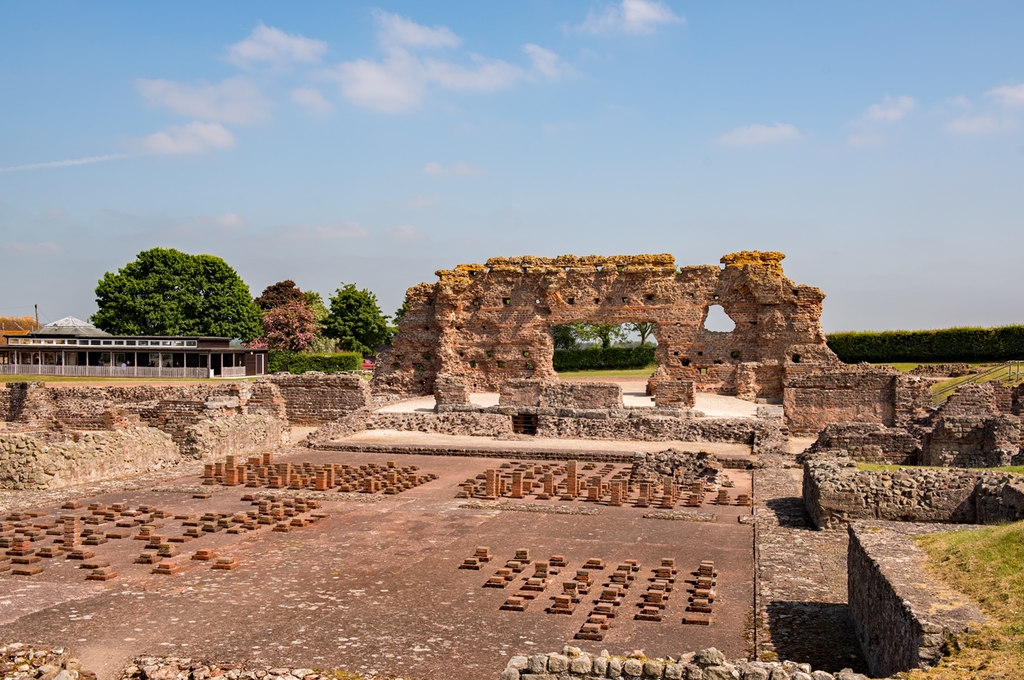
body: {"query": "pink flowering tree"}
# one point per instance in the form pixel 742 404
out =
pixel 291 326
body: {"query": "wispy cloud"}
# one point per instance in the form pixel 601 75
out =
pixel 196 137
pixel 233 100
pixel 66 163
pixel 404 233
pixel 974 125
pixel 759 134
pixel 631 16
pixel 312 100
pixel 38 248
pixel 460 168
pixel 1008 95
pixel 423 201
pixel 401 80
pixel 867 129
pixel 230 221
pixel 274 47
pixel 394 30
pixel 340 231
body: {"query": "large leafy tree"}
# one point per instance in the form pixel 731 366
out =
pixel 356 320
pixel 167 292
pixel 279 294
pixel 644 329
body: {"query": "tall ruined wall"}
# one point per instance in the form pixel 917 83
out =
pixel 904 618
pixel 491 323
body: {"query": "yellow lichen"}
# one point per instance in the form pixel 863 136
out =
pixel 769 259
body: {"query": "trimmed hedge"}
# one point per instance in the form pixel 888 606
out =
pixel 597 358
pixel 299 362
pixel 948 344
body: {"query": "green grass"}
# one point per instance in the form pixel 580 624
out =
pixel 611 373
pixel 984 564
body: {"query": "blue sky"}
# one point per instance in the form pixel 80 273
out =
pixel 878 144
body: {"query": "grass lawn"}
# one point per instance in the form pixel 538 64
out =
pixel 984 564
pixel 611 373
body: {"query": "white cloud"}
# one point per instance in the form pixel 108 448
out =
pixel 196 137
pixel 959 101
pixel 340 231
pixel 890 109
pixel 422 201
pixel 233 100
pixel 66 163
pixel 974 125
pixel 404 233
pixel 867 128
pixel 273 46
pixel 631 16
pixel 1008 95
pixel 312 100
pixel 401 80
pixel 759 134
pixel 546 63
pixel 460 168
pixel 399 31
pixel 39 248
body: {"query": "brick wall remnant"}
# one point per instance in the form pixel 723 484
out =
pixel 871 443
pixel 862 393
pixel 953 370
pixel 556 394
pixel 903 617
pixel 491 323
pixel 315 398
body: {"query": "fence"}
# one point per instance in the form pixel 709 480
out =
pixel 114 371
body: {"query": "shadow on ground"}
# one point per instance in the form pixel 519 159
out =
pixel 817 633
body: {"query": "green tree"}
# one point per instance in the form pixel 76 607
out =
pixel 564 336
pixel 356 320
pixel 322 344
pixel 604 333
pixel 644 329
pixel 279 294
pixel 167 292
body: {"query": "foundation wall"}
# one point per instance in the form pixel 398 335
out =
pixel 317 398
pixel 904 619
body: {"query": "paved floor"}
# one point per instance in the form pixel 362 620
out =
pixel 375 587
pixel 634 393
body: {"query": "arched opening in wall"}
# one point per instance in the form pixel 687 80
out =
pixel 717 320
pixel 613 347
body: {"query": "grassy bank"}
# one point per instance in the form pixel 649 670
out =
pixel 984 564
pixel 879 467
pixel 610 373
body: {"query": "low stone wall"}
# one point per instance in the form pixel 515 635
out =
pixel 706 664
pixel 32 460
pixel 557 394
pixel 472 423
pixel 835 491
pixel 862 394
pixel 870 443
pixel 239 435
pixel 904 618
pixel 941 370
pixel 316 398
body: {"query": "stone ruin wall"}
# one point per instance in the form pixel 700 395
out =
pixel 903 618
pixel 486 324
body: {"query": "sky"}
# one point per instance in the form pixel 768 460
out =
pixel 880 145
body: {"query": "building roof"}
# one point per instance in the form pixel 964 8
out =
pixel 17 324
pixel 71 327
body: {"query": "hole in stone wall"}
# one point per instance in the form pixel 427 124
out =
pixel 395 366
pixel 419 367
pixel 717 320
pixel 625 300
pixel 572 301
pixel 529 365
pixel 702 371
pixel 796 358
pixel 648 297
pixel 718 362
pixel 490 353
pixel 684 362
pixel 537 301
pixel 501 364
pixel 472 364
pixel 735 354
pixel 597 301
pixel 506 301
pixel 476 303
pixel 526 352
pixel 426 355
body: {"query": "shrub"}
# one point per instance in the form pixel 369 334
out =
pixel 299 362
pixel 597 358
pixel 948 344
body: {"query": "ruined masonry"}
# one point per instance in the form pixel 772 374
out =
pixel 481 325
